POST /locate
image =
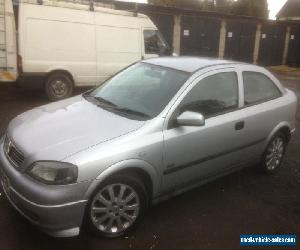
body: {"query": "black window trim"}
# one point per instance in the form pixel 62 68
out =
pixel 261 101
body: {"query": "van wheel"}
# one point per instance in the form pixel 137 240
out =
pixel 274 153
pixel 117 206
pixel 58 86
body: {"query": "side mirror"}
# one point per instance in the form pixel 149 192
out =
pixel 192 119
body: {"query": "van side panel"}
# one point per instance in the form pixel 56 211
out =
pixel 116 49
pixel 58 38
pixel 118 43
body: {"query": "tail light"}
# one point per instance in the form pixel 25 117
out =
pixel 20 64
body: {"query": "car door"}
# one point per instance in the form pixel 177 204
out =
pixel 195 153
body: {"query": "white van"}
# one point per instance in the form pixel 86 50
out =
pixel 67 44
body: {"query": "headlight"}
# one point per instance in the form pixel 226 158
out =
pixel 54 173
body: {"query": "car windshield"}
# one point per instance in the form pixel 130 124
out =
pixel 140 92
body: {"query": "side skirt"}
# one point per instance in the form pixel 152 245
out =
pixel 198 182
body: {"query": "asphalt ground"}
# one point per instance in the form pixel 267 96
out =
pixel 209 217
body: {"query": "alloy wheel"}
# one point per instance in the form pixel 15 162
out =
pixel 115 208
pixel 274 154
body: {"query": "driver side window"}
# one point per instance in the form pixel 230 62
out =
pixel 212 95
pixel 151 42
pixel 154 43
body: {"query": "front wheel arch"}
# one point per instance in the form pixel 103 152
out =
pixel 138 173
pixel 148 174
pixel 142 175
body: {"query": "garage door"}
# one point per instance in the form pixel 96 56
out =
pixel 199 36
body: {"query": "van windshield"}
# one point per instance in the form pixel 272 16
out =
pixel 141 91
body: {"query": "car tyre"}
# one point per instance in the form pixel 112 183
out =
pixel 274 153
pixel 58 86
pixel 116 206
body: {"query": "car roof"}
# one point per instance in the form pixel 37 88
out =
pixel 188 64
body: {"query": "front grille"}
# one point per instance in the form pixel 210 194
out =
pixel 14 155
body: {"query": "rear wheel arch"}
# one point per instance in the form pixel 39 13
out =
pixel 283 128
pixel 274 152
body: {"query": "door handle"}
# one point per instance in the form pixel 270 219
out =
pixel 239 125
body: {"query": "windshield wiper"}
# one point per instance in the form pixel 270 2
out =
pixel 131 112
pixel 102 100
pixel 99 101
pixel 113 107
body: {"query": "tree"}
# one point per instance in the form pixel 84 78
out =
pixel 183 4
pixel 224 6
pixel 167 3
pixel 208 5
pixel 261 8
pixel 257 8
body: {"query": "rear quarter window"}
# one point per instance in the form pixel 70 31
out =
pixel 258 88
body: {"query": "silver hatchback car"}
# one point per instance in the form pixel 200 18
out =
pixel 154 130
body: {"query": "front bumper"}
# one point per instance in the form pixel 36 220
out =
pixel 57 210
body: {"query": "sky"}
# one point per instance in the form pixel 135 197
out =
pixel 274 6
